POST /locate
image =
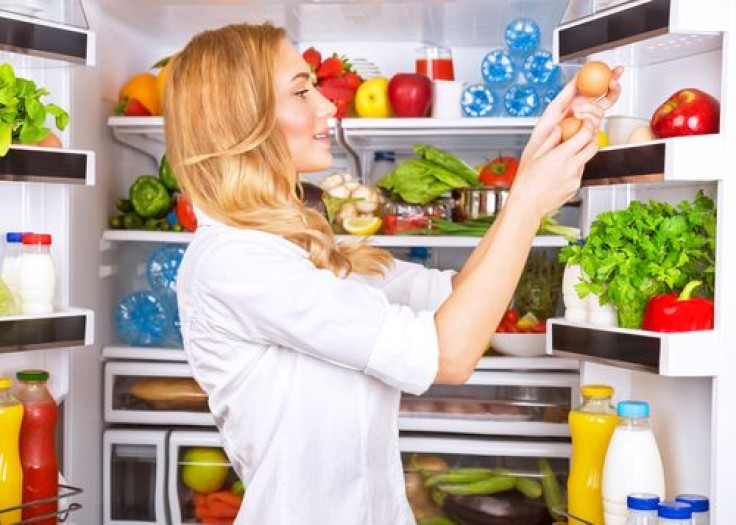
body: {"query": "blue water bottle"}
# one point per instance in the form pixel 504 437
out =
pixel 521 101
pixel 498 69
pixel 522 36
pixel 540 69
pixel 162 267
pixel 478 101
pixel 145 318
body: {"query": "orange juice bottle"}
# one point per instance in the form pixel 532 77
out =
pixel 591 427
pixel 11 475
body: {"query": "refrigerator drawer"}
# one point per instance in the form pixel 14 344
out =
pixel 154 394
pixel 443 478
pixel 202 485
pixel 134 474
pixel 495 403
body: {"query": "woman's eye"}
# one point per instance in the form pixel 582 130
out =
pixel 302 93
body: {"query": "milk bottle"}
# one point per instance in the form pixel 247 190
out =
pixel 37 281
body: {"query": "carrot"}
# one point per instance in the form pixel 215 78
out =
pixel 200 499
pixel 217 521
pixel 203 512
pixel 226 497
pixel 222 510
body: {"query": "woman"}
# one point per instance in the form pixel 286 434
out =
pixel 304 345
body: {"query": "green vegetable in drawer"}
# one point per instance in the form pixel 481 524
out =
pixel 531 488
pixel 464 475
pixel 486 486
pixel 552 490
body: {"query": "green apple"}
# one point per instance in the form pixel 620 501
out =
pixel 204 469
pixel 371 99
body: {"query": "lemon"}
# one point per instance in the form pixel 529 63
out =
pixel 602 139
pixel 204 469
pixel 527 322
pixel 362 225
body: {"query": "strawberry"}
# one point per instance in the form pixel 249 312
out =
pixel 131 107
pixel 313 58
pixel 331 67
pixel 352 80
pixel 341 97
pixel 340 82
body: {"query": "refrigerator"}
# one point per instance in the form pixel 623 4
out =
pixel 128 455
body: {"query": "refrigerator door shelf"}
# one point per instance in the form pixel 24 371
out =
pixel 144 353
pixel 134 470
pixel 67 328
pixel 685 354
pixel 154 394
pixel 186 450
pixel 645 32
pixel 48 165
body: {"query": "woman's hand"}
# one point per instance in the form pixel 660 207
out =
pixel 550 172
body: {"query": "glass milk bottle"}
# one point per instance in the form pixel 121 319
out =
pixel 37 281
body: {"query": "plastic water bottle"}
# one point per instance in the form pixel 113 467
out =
pixel 498 69
pixel 145 318
pixel 540 69
pixel 162 267
pixel 700 506
pixel 642 509
pixel 675 513
pixel 478 101
pixel 522 36
pixel 549 95
pixel 521 101
pixel 11 263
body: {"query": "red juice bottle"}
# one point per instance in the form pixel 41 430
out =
pixel 38 445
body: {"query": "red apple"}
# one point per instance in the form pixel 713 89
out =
pixel 410 95
pixel 687 112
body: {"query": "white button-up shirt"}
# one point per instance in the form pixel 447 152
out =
pixel 304 373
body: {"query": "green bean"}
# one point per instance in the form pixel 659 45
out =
pixel 465 475
pixel 529 487
pixel 487 486
pixel 552 491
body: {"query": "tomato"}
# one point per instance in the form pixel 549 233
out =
pixel 512 316
pixel 185 213
pixel 500 172
pixel 540 327
pixel 389 224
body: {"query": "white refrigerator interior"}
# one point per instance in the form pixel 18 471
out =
pixel 689 379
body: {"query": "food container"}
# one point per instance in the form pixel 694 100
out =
pixel 479 203
pixel 400 218
pixel 522 345
pixel 618 129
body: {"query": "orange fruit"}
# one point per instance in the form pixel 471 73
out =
pixel 143 87
pixel 161 83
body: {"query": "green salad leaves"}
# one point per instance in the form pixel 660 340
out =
pixel 644 250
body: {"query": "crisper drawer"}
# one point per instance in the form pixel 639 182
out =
pixel 154 394
pixel 451 480
pixel 134 476
pixel 202 485
pixel 501 403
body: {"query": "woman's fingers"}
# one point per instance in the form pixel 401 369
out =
pixel 552 116
pixel 549 142
pixel 614 90
pixel 579 140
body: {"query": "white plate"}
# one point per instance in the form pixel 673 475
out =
pixel 523 345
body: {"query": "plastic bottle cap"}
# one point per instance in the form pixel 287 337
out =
pixel 675 510
pixel 14 237
pixel 642 501
pixel 5 382
pixel 633 409
pixel 37 238
pixel 32 375
pixel 596 391
pixel 696 501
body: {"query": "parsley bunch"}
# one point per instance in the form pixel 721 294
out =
pixel 645 250
pixel 22 114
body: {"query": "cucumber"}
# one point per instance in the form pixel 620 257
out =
pixel 489 485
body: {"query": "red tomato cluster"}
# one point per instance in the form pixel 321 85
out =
pixel 509 325
pixel 394 224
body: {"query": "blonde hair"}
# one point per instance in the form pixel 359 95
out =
pixel 228 152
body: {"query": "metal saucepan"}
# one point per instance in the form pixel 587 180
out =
pixel 478 203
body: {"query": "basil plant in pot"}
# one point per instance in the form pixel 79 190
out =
pixel 22 114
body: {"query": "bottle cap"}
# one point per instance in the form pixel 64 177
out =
pixel 32 375
pixel 696 501
pixel 633 409
pixel 420 252
pixel 5 383
pixel 37 238
pixel 675 510
pixel 384 155
pixel 14 237
pixel 596 391
pixel 642 501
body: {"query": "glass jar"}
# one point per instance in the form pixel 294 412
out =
pixel 435 62
pixel 400 218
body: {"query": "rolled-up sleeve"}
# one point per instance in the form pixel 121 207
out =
pixel 266 291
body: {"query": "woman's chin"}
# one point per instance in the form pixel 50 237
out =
pixel 317 162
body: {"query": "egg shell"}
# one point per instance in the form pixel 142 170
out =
pixel 593 79
pixel 569 127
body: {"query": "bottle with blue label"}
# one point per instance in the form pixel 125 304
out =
pixel 700 507
pixel 675 513
pixel 643 509
pixel 162 267
pixel 522 37
pixel 522 101
pixel 540 70
pixel 478 101
pixel 146 318
pixel 498 69
pixel 419 255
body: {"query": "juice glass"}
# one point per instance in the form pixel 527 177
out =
pixel 435 62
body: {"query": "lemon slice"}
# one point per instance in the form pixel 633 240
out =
pixel 362 225
pixel 527 322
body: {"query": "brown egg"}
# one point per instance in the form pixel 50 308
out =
pixel 593 79
pixel 570 126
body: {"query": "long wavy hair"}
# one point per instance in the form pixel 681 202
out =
pixel 228 152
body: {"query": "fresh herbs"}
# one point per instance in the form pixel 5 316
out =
pixel 419 181
pixel 22 114
pixel 538 290
pixel 645 250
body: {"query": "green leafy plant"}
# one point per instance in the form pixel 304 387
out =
pixel 644 250
pixel 22 114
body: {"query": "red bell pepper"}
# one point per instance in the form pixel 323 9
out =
pixel 679 313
